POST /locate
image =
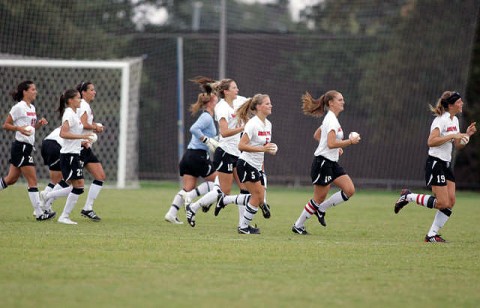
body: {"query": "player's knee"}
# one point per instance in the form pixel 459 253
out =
pixel 77 190
pixel 349 191
pixel 443 204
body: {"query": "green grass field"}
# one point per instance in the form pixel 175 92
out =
pixel 366 257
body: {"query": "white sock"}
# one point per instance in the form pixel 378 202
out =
pixel 93 192
pixel 209 198
pixel 335 199
pixel 421 199
pixel 438 222
pixel 240 199
pixel 70 204
pixel 57 192
pixel 308 210
pixel 241 212
pixel 176 204
pixel 34 196
pixel 248 214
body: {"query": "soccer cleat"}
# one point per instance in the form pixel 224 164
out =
pixel 66 221
pixel 190 216
pixel 434 239
pixel 266 210
pixel 173 219
pixel 46 216
pixel 220 205
pixel 402 201
pixel 298 230
pixel 321 217
pixel 248 230
pixel 91 215
pixel 206 208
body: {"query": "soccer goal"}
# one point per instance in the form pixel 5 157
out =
pixel 116 106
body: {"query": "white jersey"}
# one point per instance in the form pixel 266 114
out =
pixel 447 126
pixel 224 110
pixel 330 122
pixel 24 115
pixel 85 108
pixel 72 146
pixel 55 136
pixel 260 133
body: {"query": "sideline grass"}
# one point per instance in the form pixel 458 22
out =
pixel 367 255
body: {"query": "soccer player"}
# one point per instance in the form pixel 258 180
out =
pixel 226 154
pixel 22 119
pixel 325 169
pixel 72 166
pixel 255 141
pixel 196 161
pixel 90 161
pixel 444 135
pixel 51 146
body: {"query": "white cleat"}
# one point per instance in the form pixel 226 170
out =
pixel 66 221
pixel 173 219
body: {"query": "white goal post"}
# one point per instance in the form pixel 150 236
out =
pixel 116 106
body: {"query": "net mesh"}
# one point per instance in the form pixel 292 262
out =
pixel 389 59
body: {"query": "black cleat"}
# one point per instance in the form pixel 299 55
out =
pixel 220 205
pixel 46 216
pixel 206 208
pixel 321 217
pixel 402 201
pixel 90 215
pixel 190 216
pixel 301 230
pixel 434 239
pixel 248 230
pixel 266 210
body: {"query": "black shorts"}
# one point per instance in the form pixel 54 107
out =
pixel 21 154
pixel 438 172
pixel 72 166
pixel 248 173
pixel 196 163
pixel 87 156
pixel 325 171
pixel 223 161
pixel 51 154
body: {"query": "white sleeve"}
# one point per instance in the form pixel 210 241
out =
pixel 16 112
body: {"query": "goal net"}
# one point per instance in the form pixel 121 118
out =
pixel 116 106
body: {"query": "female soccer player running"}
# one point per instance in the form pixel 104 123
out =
pixel 444 134
pixel 325 168
pixel 51 146
pixel 226 155
pixel 196 161
pixel 255 141
pixel 72 167
pixel 90 161
pixel 22 119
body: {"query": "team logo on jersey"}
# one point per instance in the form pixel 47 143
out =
pixel 31 114
pixel 451 129
pixel 265 133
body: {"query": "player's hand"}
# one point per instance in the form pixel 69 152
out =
pixel 271 148
pixel 472 129
pixel 211 143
